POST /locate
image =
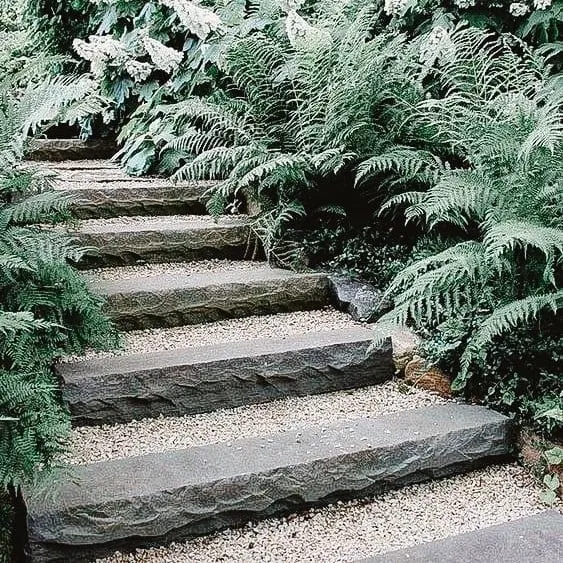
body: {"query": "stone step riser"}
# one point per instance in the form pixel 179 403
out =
pixel 156 307
pixel 191 381
pixel 158 498
pixel 137 199
pixel 122 248
pixel 58 150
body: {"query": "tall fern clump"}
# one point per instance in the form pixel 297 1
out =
pixel 498 195
pixel 302 101
pixel 46 309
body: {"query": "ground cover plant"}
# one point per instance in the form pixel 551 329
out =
pixel 46 309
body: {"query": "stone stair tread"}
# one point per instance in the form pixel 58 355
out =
pixel 63 150
pixel 185 279
pixel 85 164
pixel 220 376
pixel 139 224
pixel 533 539
pixel 180 296
pixel 130 240
pixel 173 495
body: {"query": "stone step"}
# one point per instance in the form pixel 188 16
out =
pixel 56 150
pixel 221 376
pixel 163 497
pixel 535 539
pixel 129 240
pixel 178 296
pixel 132 197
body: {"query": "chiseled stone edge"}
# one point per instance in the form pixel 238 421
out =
pixel 139 199
pixel 158 498
pixel 121 247
pixel 152 308
pixel 533 539
pixel 57 150
pixel 195 380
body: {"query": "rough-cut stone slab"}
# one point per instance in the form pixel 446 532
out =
pixel 535 539
pixel 162 239
pixel 56 150
pixel 174 300
pixel 173 495
pixel 361 300
pixel 196 380
pixel 129 198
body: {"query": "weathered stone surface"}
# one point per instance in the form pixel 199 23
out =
pixel 162 239
pixel 162 497
pixel 361 300
pixel 195 380
pixel 174 300
pixel 535 539
pixel 56 150
pixel 129 198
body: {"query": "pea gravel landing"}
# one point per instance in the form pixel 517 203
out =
pixel 348 531
pixel 93 444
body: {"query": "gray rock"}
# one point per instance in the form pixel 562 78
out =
pixel 535 539
pixel 174 495
pixel 57 150
pixel 174 300
pixel 196 380
pixel 118 199
pixel 162 240
pixel 361 300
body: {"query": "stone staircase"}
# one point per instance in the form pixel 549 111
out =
pixel 166 265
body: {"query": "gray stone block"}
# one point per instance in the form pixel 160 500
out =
pixel 174 495
pixel 162 240
pixel 535 539
pixel 56 150
pixel 361 300
pixel 117 199
pixel 174 300
pixel 196 380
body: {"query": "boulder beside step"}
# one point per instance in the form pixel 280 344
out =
pixel 159 498
pixel 181 299
pixel 196 380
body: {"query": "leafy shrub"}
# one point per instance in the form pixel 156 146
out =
pixel 501 120
pixel 46 309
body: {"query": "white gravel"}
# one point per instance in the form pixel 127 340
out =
pixel 187 268
pixel 348 531
pixel 232 330
pixel 144 182
pixel 126 221
pixel 92 444
pixel 80 164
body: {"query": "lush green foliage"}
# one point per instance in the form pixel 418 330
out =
pixel 45 307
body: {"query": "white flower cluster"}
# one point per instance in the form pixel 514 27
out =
pixel 518 9
pixel 165 58
pixel 542 4
pixel 395 7
pixel 303 36
pixel 100 50
pixel 198 20
pixel 290 5
pixel 137 70
pixel 464 4
pixel 437 46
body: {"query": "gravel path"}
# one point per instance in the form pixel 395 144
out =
pixel 232 330
pixel 136 183
pixel 79 164
pixel 91 444
pixel 354 530
pixel 187 268
pixel 140 221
